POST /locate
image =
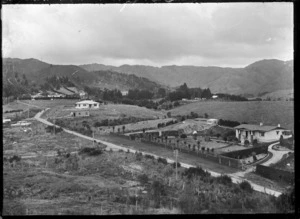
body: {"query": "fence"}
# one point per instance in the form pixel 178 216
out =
pixel 276 174
pixel 247 152
pixel 223 160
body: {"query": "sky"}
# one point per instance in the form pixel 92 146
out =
pixel 207 34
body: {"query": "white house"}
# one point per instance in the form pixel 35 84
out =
pixel 215 96
pixel 124 92
pixel 261 132
pixel 87 104
pixel 212 121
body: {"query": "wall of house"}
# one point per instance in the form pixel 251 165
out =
pixel 269 136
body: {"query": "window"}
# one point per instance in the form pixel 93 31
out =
pixel 83 105
pixel 277 132
pixel 262 134
pixel 95 104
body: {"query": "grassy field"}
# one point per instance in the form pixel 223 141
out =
pixel 268 112
pixel 109 111
pixel 107 184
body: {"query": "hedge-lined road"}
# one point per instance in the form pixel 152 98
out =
pixel 235 176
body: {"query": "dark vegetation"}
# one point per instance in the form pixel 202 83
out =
pixel 91 151
pixel 228 123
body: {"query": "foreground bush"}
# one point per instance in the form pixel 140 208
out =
pixel 174 164
pixel 91 151
pixel 162 160
pixel 246 186
pixel 195 171
pixel 143 179
pixel 224 179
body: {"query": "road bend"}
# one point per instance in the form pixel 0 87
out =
pixel 235 178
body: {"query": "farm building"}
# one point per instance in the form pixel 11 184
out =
pixel 80 113
pixel 87 104
pixel 212 121
pixel 261 132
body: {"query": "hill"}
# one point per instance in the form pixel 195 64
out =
pixel 37 72
pixel 260 77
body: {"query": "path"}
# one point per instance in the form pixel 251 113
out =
pixel 235 177
pixel 277 155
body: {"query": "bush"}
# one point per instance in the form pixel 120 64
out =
pixel 225 180
pixel 50 129
pixel 91 151
pixel 195 171
pixel 246 186
pixel 143 179
pixel 162 160
pixel 14 158
pixel 174 165
pixel 147 156
pixel 246 142
pixel 138 156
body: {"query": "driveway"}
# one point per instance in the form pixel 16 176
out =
pixel 277 155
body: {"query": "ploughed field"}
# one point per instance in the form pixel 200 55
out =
pixel 268 112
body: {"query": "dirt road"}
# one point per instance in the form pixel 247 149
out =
pixel 235 177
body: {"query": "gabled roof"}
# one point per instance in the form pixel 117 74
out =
pixel 264 128
pixel 86 102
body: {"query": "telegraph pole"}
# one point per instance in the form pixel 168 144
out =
pixel 176 156
pixel 93 139
pixel 54 126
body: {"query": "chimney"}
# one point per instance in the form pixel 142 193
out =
pixel 278 125
pixel 261 124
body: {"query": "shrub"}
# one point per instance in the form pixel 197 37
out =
pixel 121 150
pixel 138 156
pixel 246 142
pixel 14 158
pixel 246 186
pixel 174 165
pixel 224 179
pixel 91 151
pixel 143 178
pixel 162 160
pixel 195 171
pixel 148 156
pixel 183 136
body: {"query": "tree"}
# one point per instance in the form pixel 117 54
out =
pixel 113 128
pixel 123 127
pixel 281 141
pixel 247 143
pixel 156 191
pixel 205 115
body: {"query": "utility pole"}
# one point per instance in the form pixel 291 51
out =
pixel 176 156
pixel 93 139
pixel 54 126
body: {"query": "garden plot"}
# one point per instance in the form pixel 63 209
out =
pixel 230 148
pixel 188 126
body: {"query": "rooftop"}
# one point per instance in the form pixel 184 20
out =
pixel 252 127
pixel 86 102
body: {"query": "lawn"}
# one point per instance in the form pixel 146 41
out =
pixel 268 112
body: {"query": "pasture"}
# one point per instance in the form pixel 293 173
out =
pixel 254 112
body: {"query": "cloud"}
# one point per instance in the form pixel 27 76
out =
pixel 227 34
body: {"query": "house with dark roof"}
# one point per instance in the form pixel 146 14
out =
pixel 262 133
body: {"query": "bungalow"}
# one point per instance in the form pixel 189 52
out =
pixel 124 92
pixel 87 104
pixel 212 121
pixel 261 133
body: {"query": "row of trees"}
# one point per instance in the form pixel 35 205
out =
pixel 189 93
